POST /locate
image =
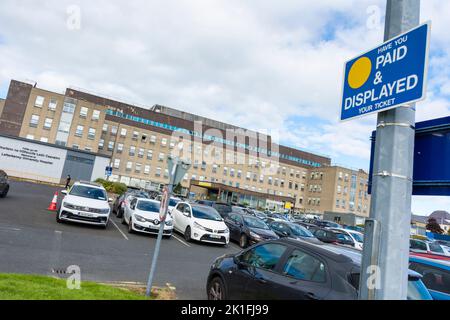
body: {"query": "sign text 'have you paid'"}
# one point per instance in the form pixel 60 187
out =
pixel 390 75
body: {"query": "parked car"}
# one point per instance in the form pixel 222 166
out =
pixel 199 222
pixel 445 245
pixel 293 269
pixel 85 202
pixel 142 215
pixel 427 249
pixel 333 236
pixel 325 223
pixel 4 184
pixel 311 227
pixel 247 229
pixel 354 228
pixel 172 202
pixel 357 237
pixel 259 214
pixel 223 208
pixel 292 230
pixel 121 201
pixel 436 275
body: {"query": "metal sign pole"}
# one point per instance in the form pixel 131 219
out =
pixel 161 230
pixel 177 169
pixel 384 273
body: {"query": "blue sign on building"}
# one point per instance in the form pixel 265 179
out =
pixel 108 171
pixel 390 75
pixel 431 170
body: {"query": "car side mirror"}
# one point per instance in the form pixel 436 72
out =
pixel 64 191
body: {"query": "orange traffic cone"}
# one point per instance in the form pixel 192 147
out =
pixel 52 206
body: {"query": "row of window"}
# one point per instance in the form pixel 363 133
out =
pixel 207 137
pixel 70 108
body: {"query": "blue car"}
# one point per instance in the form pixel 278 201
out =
pixel 435 275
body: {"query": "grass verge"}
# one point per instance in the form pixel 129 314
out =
pixel 35 287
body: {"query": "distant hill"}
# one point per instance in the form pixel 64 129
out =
pixel 440 216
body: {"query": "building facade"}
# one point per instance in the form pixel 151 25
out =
pixel 247 165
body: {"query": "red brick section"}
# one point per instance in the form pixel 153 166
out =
pixel 186 124
pixel 14 109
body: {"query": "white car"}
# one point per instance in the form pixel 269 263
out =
pixel 172 202
pixel 357 237
pixel 142 215
pixel 85 202
pixel 200 222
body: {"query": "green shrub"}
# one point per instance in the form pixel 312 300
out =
pixel 113 187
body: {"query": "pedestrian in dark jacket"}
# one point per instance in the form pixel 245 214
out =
pixel 68 181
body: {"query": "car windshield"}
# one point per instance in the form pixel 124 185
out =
pixel 173 202
pixel 301 231
pixel 148 206
pixel 237 209
pixel 358 237
pixel 88 192
pixel 206 213
pixel 222 208
pixel 255 223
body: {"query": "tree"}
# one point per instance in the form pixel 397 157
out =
pixel 177 189
pixel 433 226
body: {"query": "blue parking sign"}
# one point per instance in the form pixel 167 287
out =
pixel 390 75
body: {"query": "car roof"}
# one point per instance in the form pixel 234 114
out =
pixel 431 262
pixel 146 199
pixel 89 184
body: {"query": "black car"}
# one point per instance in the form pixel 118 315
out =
pixel 325 223
pixel 332 236
pixel 223 208
pixel 292 269
pixel 292 230
pixel 4 184
pixel 248 229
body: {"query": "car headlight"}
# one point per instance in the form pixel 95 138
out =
pixel 104 210
pixel 227 230
pixel 139 218
pixel 255 235
pixel 169 223
pixel 68 205
pixel 199 226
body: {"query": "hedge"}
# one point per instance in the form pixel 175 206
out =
pixel 113 187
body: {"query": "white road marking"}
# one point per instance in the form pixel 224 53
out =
pixel 10 229
pixel 126 238
pixel 180 240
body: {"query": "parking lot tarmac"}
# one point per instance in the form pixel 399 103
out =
pixel 31 241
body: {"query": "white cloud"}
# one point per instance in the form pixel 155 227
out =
pixel 255 64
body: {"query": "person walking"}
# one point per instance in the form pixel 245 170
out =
pixel 68 181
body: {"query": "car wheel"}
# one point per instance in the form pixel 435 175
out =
pixel 243 241
pixel 187 234
pixel 216 289
pixel 130 226
pixel 57 217
pixel 123 219
pixel 5 192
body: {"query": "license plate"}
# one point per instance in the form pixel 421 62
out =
pixel 84 214
pixel 214 236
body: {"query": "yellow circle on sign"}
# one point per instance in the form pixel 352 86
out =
pixel 359 72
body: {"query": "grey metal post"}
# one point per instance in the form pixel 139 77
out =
pixel 160 233
pixel 389 226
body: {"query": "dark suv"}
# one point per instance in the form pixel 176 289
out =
pixel 293 269
pixel 248 229
pixel 4 184
pixel 223 208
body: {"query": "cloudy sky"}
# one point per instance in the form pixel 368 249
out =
pixel 260 64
